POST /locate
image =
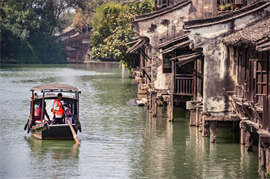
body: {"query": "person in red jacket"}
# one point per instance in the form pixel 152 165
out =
pixel 58 110
pixel 37 115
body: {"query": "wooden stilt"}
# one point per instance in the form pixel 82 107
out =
pixel 193 117
pixel 248 141
pixel 213 135
pixel 197 117
pixel 200 123
pixel 242 139
pixel 149 101
pixel 170 107
pixel 267 160
pixel 205 128
pixel 261 153
pixel 154 104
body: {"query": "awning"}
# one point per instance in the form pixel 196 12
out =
pixel 186 58
pixel 136 46
pixel 263 45
pixel 173 40
pixel 179 45
pixel 133 42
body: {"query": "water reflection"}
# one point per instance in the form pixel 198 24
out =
pixel 55 157
pixel 56 148
pixel 157 147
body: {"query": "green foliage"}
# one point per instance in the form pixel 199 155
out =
pixel 65 20
pixel 112 28
pixel 27 31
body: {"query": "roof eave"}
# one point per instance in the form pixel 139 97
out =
pixel 161 12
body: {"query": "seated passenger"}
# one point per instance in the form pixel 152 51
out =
pixel 68 114
pixel 37 116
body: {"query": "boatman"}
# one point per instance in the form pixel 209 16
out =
pixel 58 110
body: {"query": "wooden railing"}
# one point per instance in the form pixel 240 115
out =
pixel 266 113
pixel 241 92
pixel 184 85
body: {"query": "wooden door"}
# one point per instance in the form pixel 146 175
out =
pixel 261 69
pixel 241 66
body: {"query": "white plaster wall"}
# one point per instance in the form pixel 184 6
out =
pixel 176 19
pixel 212 104
pixel 223 58
pixel 161 81
pixel 214 76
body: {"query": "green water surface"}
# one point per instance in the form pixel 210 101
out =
pixel 117 140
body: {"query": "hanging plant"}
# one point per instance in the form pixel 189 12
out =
pixel 221 7
pixel 228 6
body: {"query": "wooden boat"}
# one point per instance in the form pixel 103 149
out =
pixel 42 129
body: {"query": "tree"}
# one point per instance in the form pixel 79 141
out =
pixel 27 29
pixel 112 28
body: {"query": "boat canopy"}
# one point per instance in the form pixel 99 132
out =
pixel 52 96
pixel 56 87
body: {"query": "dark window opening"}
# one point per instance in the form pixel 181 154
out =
pixel 166 63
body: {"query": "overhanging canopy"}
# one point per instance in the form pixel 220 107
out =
pixel 186 58
pixel 179 45
pixel 56 87
pixel 136 46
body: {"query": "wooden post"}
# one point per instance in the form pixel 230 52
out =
pixel 248 141
pixel 205 127
pixel 213 135
pixel 42 106
pixel 173 76
pixel 200 122
pixel 29 122
pixel 197 117
pixel 149 101
pixel 267 160
pixel 242 140
pixel 154 104
pixel 77 96
pixel 195 81
pixel 193 117
pixel 170 106
pixel 261 153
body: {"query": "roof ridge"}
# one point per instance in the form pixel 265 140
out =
pixel 161 11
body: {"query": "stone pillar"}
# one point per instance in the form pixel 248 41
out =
pixel 213 133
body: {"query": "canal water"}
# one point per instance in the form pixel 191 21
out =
pixel 117 140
